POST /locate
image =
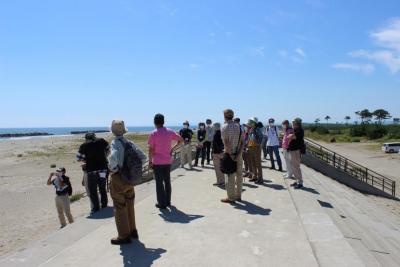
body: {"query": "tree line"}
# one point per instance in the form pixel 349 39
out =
pixel 366 116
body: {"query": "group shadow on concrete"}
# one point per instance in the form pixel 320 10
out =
pixel 137 255
pixel 174 215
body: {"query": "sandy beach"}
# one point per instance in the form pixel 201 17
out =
pixel 27 209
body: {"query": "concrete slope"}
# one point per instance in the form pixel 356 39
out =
pixel 262 230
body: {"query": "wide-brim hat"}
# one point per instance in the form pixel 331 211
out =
pixel 118 127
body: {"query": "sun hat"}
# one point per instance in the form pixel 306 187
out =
pixel 271 120
pixel 61 170
pixel 297 120
pixel 252 121
pixel 118 127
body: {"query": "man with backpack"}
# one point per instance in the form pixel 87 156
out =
pixel 93 153
pixel 126 165
pixel 63 188
pixel 273 144
pixel 233 147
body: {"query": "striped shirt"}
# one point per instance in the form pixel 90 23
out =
pixel 231 134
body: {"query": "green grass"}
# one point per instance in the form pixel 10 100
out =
pixel 76 197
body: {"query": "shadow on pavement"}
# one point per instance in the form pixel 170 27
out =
pixel 250 185
pixel 310 190
pixel 136 254
pixel 173 215
pixel 251 208
pixel 274 186
pixel 105 213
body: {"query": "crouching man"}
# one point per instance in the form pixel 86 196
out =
pixel 125 164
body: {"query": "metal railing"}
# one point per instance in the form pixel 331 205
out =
pixel 350 167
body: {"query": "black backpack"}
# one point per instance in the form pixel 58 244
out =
pixel 132 169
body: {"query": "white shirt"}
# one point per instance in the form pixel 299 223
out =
pixel 272 133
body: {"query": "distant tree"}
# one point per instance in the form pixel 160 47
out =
pixel 347 118
pixel 365 115
pixel 327 118
pixel 317 121
pixel 358 114
pixel 396 120
pixel 381 115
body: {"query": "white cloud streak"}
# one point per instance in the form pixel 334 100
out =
pixel 364 68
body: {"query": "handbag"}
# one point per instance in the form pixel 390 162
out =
pixel 228 165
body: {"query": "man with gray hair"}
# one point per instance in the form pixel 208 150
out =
pixel 233 145
pixel 122 192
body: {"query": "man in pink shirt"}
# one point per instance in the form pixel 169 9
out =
pixel 160 159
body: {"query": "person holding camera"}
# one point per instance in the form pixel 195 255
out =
pixel 233 145
pixel 63 188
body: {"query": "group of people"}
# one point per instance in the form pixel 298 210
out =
pixel 242 143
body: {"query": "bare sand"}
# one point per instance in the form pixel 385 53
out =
pixel 27 210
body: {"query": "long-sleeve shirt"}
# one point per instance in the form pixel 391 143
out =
pixel 116 157
pixel 209 134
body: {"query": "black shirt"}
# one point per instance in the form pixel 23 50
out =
pixel 94 153
pixel 298 143
pixel 217 144
pixel 186 134
pixel 201 135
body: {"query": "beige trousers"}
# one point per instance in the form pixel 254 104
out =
pixel 295 160
pixel 217 165
pixel 234 182
pixel 63 207
pixel 254 157
pixel 123 195
pixel 186 155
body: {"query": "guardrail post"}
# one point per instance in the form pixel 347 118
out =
pixel 393 188
pixel 334 160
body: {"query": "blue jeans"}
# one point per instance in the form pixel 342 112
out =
pixel 275 150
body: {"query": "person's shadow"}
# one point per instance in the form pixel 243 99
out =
pixel 173 215
pixel 105 213
pixel 137 255
pixel 251 208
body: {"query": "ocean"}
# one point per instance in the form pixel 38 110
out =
pixel 67 130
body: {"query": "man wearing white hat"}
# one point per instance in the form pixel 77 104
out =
pixel 122 192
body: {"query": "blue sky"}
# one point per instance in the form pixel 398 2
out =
pixel 84 63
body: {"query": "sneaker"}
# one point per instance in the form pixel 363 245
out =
pixel 260 181
pixel 118 242
pixel 135 235
pixel 285 175
pixel 272 168
pixel 182 166
pixel 280 169
pixel 299 186
pixel 294 184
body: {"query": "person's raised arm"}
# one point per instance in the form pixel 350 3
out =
pixel 49 181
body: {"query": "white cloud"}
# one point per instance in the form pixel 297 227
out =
pixel 300 52
pixel 364 68
pixel 388 36
pixel 385 57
